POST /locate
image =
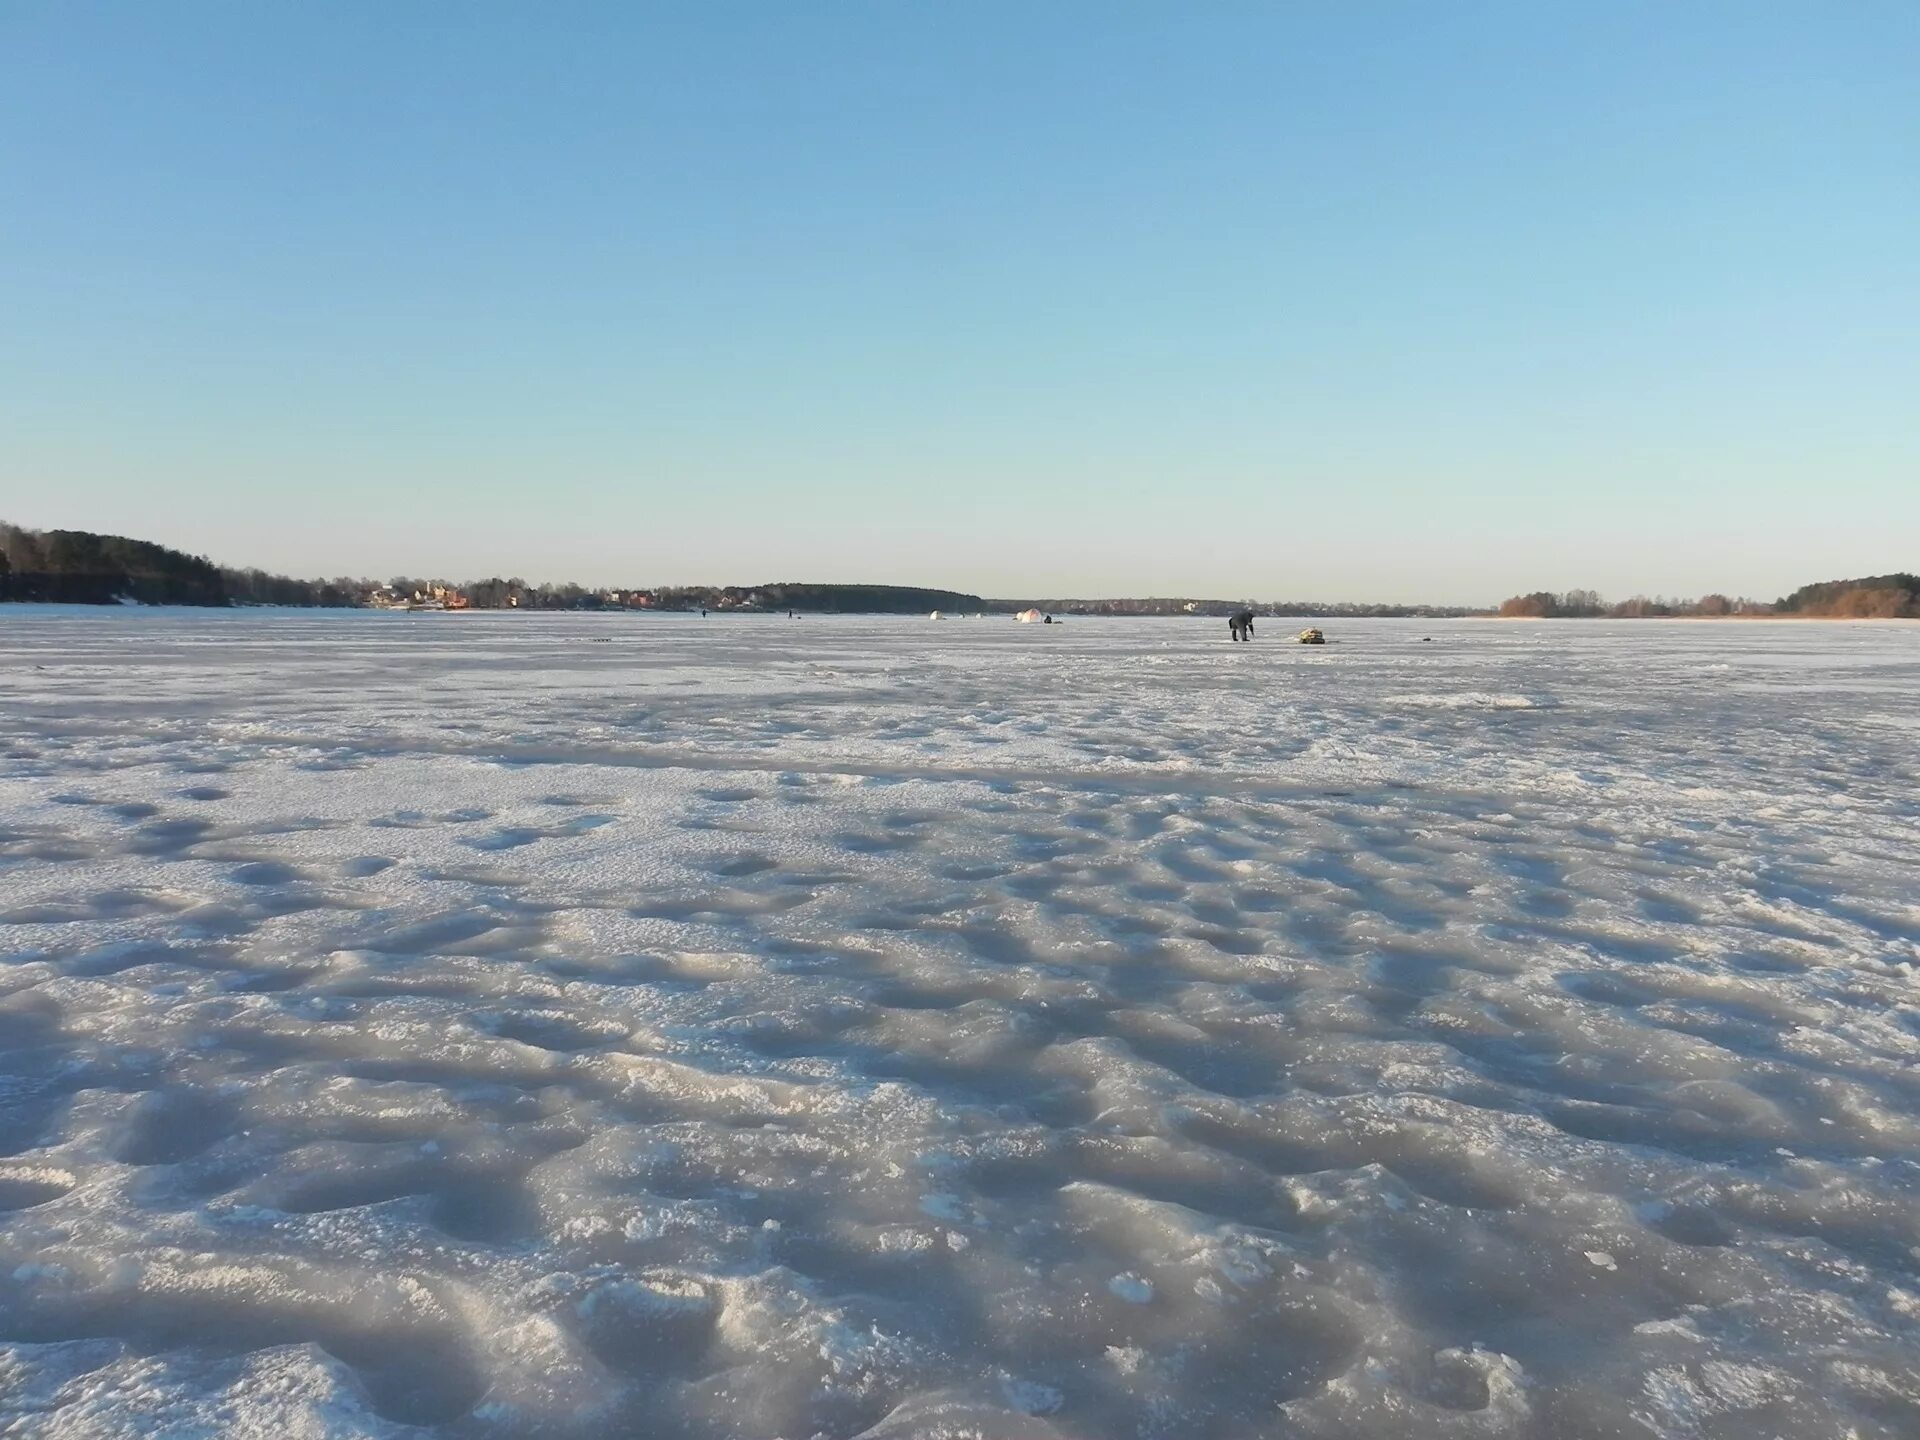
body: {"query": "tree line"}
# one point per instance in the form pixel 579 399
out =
pixel 79 567
pixel 1877 597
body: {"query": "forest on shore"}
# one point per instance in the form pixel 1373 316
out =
pixel 1873 597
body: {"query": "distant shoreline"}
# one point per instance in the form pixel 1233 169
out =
pixel 81 609
pixel 84 568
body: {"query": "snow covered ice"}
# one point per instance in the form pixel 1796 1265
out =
pixel 454 1026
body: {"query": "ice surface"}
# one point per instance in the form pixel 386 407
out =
pixel 456 1026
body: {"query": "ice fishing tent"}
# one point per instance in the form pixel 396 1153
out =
pixel 1028 617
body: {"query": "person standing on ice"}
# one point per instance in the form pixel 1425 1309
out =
pixel 1240 625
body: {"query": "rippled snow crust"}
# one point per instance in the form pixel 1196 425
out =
pixel 512 1026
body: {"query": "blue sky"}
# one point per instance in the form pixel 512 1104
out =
pixel 1395 301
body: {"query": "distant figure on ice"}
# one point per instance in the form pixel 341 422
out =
pixel 1240 625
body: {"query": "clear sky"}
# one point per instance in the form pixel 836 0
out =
pixel 1346 300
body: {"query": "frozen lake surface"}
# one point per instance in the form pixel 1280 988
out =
pixel 457 1026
